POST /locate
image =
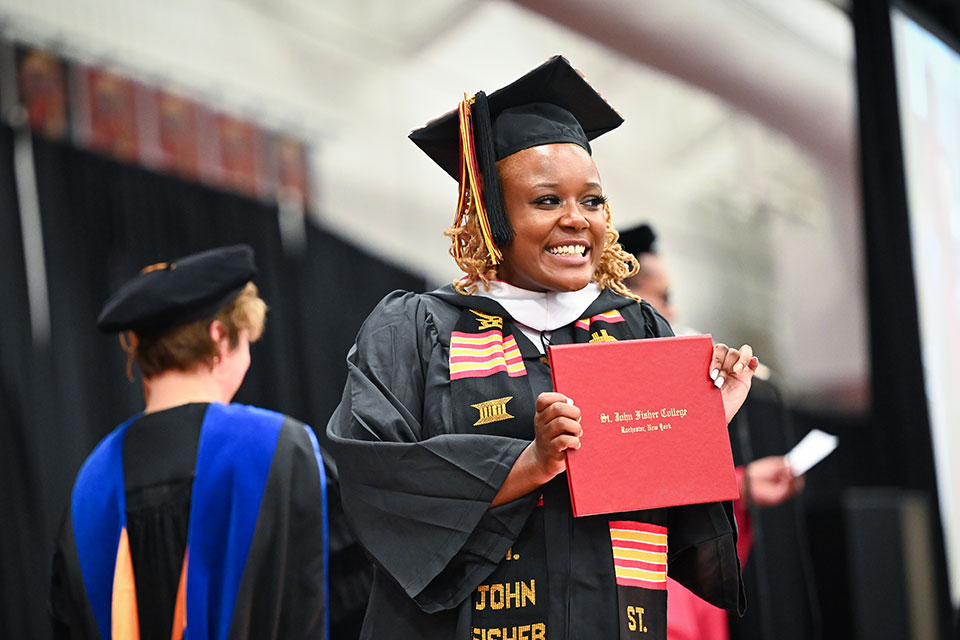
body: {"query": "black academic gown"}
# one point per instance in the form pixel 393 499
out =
pixel 239 491
pixel 417 482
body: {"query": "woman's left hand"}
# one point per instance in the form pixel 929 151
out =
pixel 732 372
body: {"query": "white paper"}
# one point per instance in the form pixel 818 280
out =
pixel 814 447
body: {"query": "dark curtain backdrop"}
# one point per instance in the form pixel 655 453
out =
pixel 894 449
pixel 23 469
pixel 102 222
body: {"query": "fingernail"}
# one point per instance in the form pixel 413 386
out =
pixel 718 382
pixel 714 374
pixel 569 400
pixel 737 368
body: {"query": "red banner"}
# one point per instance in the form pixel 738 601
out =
pixel 106 113
pixel 43 91
pixel 112 114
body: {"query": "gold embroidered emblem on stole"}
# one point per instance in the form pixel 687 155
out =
pixel 601 336
pixel 492 411
pixel 487 321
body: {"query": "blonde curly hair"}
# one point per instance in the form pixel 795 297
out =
pixel 616 264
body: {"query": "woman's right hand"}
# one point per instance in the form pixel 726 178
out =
pixel 556 428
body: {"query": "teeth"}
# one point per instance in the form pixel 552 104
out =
pixel 568 249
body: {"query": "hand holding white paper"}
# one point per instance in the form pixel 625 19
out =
pixel 814 447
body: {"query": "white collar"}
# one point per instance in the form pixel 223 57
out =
pixel 541 311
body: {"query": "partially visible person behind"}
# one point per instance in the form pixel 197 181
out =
pixel 765 482
pixel 195 518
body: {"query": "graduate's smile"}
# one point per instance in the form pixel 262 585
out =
pixel 570 251
pixel 554 204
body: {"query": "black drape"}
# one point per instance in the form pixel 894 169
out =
pixel 896 450
pixel 102 221
pixel 23 544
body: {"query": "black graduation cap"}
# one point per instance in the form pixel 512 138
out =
pixel 169 294
pixel 638 240
pixel 551 104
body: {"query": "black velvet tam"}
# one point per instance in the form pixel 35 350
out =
pixel 639 239
pixel 171 294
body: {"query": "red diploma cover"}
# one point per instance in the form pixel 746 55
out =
pixel 654 432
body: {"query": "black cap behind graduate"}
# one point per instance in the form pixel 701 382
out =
pixel 639 239
pixel 171 294
pixel 551 104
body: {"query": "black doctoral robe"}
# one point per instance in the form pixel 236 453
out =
pixel 417 480
pixel 239 491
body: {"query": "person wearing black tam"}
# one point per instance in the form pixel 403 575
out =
pixel 638 239
pixel 449 439
pixel 195 518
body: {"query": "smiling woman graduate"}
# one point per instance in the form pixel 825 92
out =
pixel 449 439
pixel 195 518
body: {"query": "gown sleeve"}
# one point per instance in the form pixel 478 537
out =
pixel 70 613
pixel 703 553
pixel 415 488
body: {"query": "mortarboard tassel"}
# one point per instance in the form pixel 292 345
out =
pixel 487 160
pixel 471 189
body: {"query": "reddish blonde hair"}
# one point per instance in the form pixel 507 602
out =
pixel 185 347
